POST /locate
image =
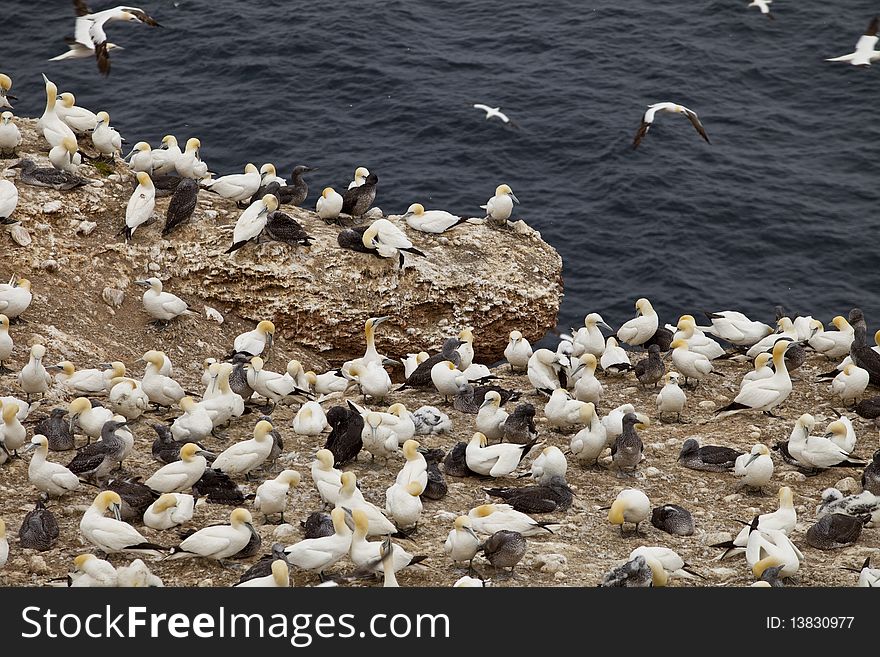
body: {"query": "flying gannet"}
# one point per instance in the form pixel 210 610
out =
pixel 673 108
pixel 864 53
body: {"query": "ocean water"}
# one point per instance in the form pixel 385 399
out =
pixel 780 209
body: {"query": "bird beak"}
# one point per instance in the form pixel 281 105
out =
pixel 380 320
pixel 72 423
pixel 829 435
pixel 471 532
pixel 142 283
pixel 605 326
pixel 104 366
pixel 54 368
pixel 391 361
pixel 116 512
pixel 486 402
pixel 30 447
pixel 754 457
pixel 578 369
pixel 515 199
pixel 667 354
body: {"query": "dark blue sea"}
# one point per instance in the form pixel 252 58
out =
pixel 780 208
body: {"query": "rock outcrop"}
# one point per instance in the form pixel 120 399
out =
pixel 318 296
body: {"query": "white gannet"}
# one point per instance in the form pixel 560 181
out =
pixel 140 205
pixel 33 377
pixel 447 378
pixel 763 5
pixel 194 425
pixel 140 158
pixel 360 176
pixel 5 86
pixel 53 128
pixel 494 460
pixel 850 384
pixel 91 572
pixel 371 354
pixel 223 404
pixel 329 204
pixel 499 207
pixel 587 444
pixel 89 381
pixel 630 506
pixel 868 577
pixel 462 543
pixel 271 496
pixel 328 382
pixel 786 330
pixel 111 534
pixel 137 575
pixel 762 369
pixel 162 390
pixel 10 138
pixel 372 378
pixel 379 438
pixel 864 53
pixel 79 119
pixel 244 456
pixel 832 344
pixel 90 35
pixel 468 582
pixel 816 452
pixel 318 554
pixel 736 328
pixel 386 240
pixel 589 338
pixel 548 464
pixel 466 353
pixel 491 417
pixel 783 519
pixel 765 394
pixel 430 221
pixel 613 421
pixel 587 388
pixel 51 478
pixel 105 138
pixel 614 359
pixel 492 112
pixel 767 548
pixel 412 361
pixel 165 157
pixel 562 411
pixel 252 221
pixel 235 187
pixel 310 420
pixel 693 365
pixel 254 342
pixel 865 505
pixel 15 297
pixel 841 433
pixel 170 510
pixel 518 351
pixel 6 344
pixel 666 558
pixel 91 419
pixel 12 432
pixel 350 498
pixel 328 480
pixel 279 577
pixel 415 468
pixel 698 342
pixel 217 541
pixel 65 156
pixel 281 388
pixel 365 554
pixel 642 327
pixel 543 370
pixel 755 469
pixel 403 504
pixel 160 305
pixel 671 398
pixel 490 518
pixel 673 108
pixel 189 165
pixel 179 475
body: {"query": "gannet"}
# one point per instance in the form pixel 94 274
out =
pixel 296 192
pixel 36 176
pixel 182 205
pixel 436 488
pixel 225 404
pixel 429 420
pixel 763 5
pixel 33 377
pixel 89 381
pixel 217 541
pixel 835 530
pixel 112 535
pixel 372 378
pixel 548 464
pixel 864 505
pixel 431 221
pixel 357 200
pixel 254 342
pixel 864 53
pixel 626 449
pixel 281 227
pixel 271 496
pixel 504 549
pixel 710 458
pixel 329 382
pixel 693 365
pixel 137 575
pixel 698 342
pixel 589 338
pixel 562 411
pixel 518 351
pixel 736 328
pixel 499 207
pixel 165 157
pixel 279 577
pixel 462 543
pixel 850 384
pixel 310 420
pixel 403 504
pixel 519 427
pixel 817 452
pixel 666 558
pixel 51 478
pixel 252 221
pixel 492 112
pixel 53 128
pixel 79 119
pixel 5 86
pixel 755 469
pixel 868 577
pixel 39 529
pixel 388 241
pixel 651 369
pixel 548 497
pixel 90 571
pixel 673 519
pixel 491 417
pixel 65 157
pixel 630 506
pixel 673 108
pixel 490 518
pixel 360 176
pixel 378 438
pixel 89 33
pixel 344 441
pixel 494 460
pixel 587 444
pixel 15 297
pixel 765 394
pixel 140 205
pixel 614 359
pixel 189 164
pixel 613 421
pixel 328 480
pixel 635 573
pixel 235 187
pixel 195 424
pixel 785 330
pixel 784 519
pixel 543 370
pixel 318 554
pixel 10 139
pixel 12 431
pixel 179 475
pixel 766 548
pixel 671 398
pixel 447 378
pixel 170 510
pixel 587 387
pixel 6 344
pixel 162 306
pixel 351 498
pixel 246 455
pixel 871 475
pixel 832 344
pixel 640 329
pixel 162 390
pixel 762 369
pixel 415 468
pixel 140 158
pixel 365 555
pixel 105 138
pixel 329 204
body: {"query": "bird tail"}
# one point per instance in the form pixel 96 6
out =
pixel 527 448
pixel 414 251
pixel 235 247
pixel 418 559
pixel 545 524
pixel 732 406
pixel 716 373
pixel 828 375
pixel 686 568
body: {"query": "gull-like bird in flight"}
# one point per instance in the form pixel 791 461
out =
pixel 865 53
pixel 492 112
pixel 648 120
pixel 764 6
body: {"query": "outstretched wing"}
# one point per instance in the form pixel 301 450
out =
pixel 81 8
pixel 643 130
pixel 695 121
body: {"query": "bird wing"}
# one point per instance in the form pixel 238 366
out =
pixel 643 130
pixel 756 395
pixel 207 541
pixel 485 108
pixel 391 235
pixel 695 121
